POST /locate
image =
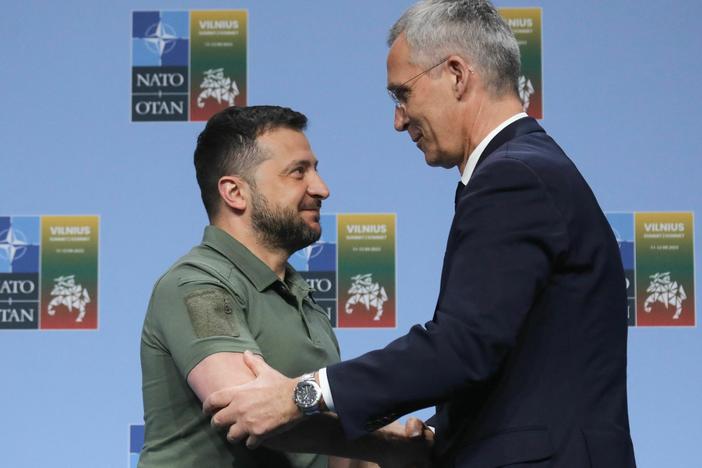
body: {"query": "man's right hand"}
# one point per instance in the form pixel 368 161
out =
pixel 257 409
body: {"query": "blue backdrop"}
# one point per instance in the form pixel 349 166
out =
pixel 621 92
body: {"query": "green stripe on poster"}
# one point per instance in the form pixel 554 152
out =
pixel 69 272
pixel 218 55
pixel 526 26
pixel 665 283
pixel 366 271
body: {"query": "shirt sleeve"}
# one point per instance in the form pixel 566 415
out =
pixel 194 318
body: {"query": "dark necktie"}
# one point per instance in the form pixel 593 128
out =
pixel 458 192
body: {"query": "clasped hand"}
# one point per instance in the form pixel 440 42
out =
pixel 264 407
pixel 257 409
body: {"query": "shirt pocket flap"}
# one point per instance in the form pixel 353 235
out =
pixel 506 448
pixel 197 281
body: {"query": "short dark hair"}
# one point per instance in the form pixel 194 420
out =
pixel 227 145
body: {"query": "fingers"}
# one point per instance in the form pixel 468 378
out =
pixel 224 418
pixel 217 400
pixel 253 442
pixel 414 427
pixel 255 363
pixel 236 433
pixel 428 435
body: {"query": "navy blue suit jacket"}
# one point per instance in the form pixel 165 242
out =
pixel 525 357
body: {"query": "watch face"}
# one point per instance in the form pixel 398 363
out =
pixel 306 395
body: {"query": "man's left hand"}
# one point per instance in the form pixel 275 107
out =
pixel 256 409
pixel 407 446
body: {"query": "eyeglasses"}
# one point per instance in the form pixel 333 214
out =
pixel 399 93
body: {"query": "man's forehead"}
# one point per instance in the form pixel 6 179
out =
pixel 286 144
pixel 283 137
pixel 398 61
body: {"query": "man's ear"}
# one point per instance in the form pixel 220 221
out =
pixel 233 191
pixel 461 73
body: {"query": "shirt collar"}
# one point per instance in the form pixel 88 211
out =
pixel 478 151
pixel 250 265
pixel 260 275
pixel 296 282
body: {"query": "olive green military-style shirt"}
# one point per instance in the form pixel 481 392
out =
pixel 222 298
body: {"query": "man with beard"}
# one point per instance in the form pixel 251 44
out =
pixel 235 292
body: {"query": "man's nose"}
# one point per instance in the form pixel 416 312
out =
pixel 401 119
pixel 317 187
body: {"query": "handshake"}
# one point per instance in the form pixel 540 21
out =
pixel 263 412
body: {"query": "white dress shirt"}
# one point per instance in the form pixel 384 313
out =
pixel 478 151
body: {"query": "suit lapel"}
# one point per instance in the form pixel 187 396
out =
pixel 515 129
pixel 511 131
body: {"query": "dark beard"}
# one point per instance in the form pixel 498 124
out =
pixel 280 228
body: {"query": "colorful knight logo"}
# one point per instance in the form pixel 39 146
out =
pixel 666 292
pixel 70 295
pixel 526 89
pixel 216 85
pixel 367 293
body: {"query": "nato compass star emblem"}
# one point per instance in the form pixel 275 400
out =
pixel 160 38
pixel 13 244
pixel 308 253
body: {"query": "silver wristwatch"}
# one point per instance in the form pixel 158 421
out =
pixel 307 395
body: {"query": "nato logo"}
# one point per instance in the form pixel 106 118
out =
pixel 19 272
pixel 320 256
pixel 622 225
pixel 160 55
pixel 317 265
pixel 19 244
pixel 136 441
pixel 160 38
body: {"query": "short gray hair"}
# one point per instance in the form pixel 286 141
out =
pixel 472 29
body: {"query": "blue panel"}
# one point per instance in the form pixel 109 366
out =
pixel 324 259
pixel 143 56
pixel 179 21
pixel 136 438
pixel 28 261
pixel 143 20
pixel 29 225
pixel 176 53
pixel 622 226
pixel 328 224
pixel 4 223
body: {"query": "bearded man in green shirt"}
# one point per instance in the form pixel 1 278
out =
pixel 235 292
